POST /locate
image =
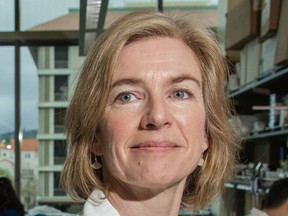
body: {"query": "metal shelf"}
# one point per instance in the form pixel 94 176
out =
pixel 283 132
pixel 275 77
pixel 244 183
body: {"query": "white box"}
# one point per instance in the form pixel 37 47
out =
pixel 243 67
pixel 253 60
pixel 268 49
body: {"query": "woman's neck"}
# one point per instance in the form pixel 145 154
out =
pixel 143 202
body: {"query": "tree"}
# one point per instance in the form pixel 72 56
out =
pixel 5 173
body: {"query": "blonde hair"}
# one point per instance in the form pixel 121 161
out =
pixel 90 97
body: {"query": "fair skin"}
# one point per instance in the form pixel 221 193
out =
pixel 279 211
pixel 153 133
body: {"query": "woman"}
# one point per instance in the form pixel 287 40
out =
pixel 275 202
pixel 148 122
pixel 10 205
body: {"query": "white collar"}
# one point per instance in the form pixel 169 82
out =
pixel 98 205
pixel 257 212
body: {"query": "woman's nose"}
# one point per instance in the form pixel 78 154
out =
pixel 156 115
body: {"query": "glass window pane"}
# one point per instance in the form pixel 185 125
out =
pixel 59 151
pixel 59 114
pixel 7 22
pixel 132 4
pixel 29 92
pixel 29 126
pixel 7 89
pixel 61 57
pixel 7 155
pixel 58 191
pixel 61 88
pixel 35 13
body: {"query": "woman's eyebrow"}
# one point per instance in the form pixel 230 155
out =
pixel 126 81
pixel 172 80
pixel 183 78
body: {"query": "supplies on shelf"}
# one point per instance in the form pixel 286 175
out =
pixel 251 124
pixel 274 113
pixel 278 111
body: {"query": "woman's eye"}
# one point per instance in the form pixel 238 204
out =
pixel 125 97
pixel 181 94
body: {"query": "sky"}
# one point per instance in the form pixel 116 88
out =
pixel 33 12
pixel 29 90
pixel 121 3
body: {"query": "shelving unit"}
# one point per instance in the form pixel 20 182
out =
pixel 257 94
pixel 255 47
pixel 244 183
pixel 273 81
pixel 261 146
pixel 269 134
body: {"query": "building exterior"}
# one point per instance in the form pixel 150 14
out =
pixel 29 168
pixel 57 67
pixel 29 171
pixel 7 158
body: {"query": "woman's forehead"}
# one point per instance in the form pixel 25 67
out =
pixel 157 54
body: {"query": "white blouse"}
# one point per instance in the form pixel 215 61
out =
pixel 98 205
pixel 257 212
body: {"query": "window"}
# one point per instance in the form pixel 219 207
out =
pixel 59 114
pixel 61 88
pixel 27 155
pixel 27 172
pixel 59 151
pixel 58 191
pixel 61 57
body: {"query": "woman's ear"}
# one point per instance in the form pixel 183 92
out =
pixel 205 144
pixel 96 148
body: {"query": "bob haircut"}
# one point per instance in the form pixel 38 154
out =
pixel 86 109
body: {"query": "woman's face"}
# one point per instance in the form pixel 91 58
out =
pixel 153 132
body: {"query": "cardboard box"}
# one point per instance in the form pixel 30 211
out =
pixel 242 24
pixel 231 4
pixel 281 55
pixel 233 55
pixel 268 49
pixel 253 49
pixel 250 62
pixel 269 18
pixel 242 67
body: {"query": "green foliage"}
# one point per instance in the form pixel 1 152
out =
pixel 26 134
pixel 5 173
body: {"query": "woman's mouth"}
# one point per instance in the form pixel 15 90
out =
pixel 152 146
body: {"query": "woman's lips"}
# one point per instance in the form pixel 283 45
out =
pixel 155 146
